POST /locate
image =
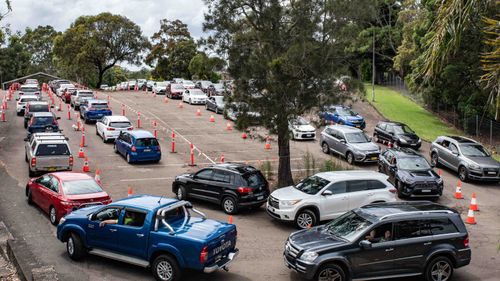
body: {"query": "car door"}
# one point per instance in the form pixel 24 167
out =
pixel 444 153
pixel 454 159
pixel 358 193
pixel 342 143
pixel 332 206
pixel 36 190
pixel 53 196
pixel 378 258
pixel 198 186
pixel 210 103
pixel 105 237
pixel 389 133
pixel 332 139
pixel 133 233
pixel 119 142
pixel 383 162
pixel 100 125
pixel 46 193
pixel 221 181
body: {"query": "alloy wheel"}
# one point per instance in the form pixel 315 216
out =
pixel 325 147
pixel 53 216
pixel 329 274
pixel 462 173
pixel 441 271
pixel 228 206
pixel 71 246
pixel 164 270
pixel 304 220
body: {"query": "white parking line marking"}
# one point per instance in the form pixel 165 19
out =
pixel 147 179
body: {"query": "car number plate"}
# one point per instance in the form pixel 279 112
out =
pixel 99 115
pixel 52 169
pixel 147 150
pixel 374 158
pixel 426 190
pixel 492 173
pixel 260 197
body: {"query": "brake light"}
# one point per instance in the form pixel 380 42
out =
pixel 244 190
pixel 204 255
pixel 33 162
pixel 133 148
pixel 130 129
pixel 110 129
pixel 54 122
pixel 71 160
pixel 393 190
pixel 466 241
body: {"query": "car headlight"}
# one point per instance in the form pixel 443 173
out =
pixel 62 220
pixel 289 203
pixel 439 180
pixel 403 141
pixel 474 167
pixel 309 256
pixel 419 141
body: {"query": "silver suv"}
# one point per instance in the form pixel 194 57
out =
pixel 47 152
pixel 465 156
pixel 349 142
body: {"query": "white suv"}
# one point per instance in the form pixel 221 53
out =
pixel 327 195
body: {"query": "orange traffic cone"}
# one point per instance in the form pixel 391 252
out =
pixel 473 203
pixel 180 105
pixel 268 145
pixel 165 100
pixel 229 127
pixel 98 176
pixel 440 172
pixel 244 136
pixel 212 118
pixel 86 167
pixel 222 158
pixel 198 112
pixel 81 153
pixel 230 219
pixel 470 217
pixel 458 191
pixel 130 192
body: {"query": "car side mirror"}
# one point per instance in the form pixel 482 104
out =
pixel 365 244
pixel 327 193
pixel 26 139
pixel 342 141
pixel 92 217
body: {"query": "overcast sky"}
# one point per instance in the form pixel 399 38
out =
pixel 146 13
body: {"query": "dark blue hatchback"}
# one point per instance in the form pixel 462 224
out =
pixel 43 122
pixel 138 146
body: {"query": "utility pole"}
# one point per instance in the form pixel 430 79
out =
pixel 373 66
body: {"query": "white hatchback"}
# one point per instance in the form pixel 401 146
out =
pixel 194 96
pixel 325 196
pixel 22 101
pixel 109 127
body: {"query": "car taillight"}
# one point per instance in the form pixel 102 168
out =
pixel 71 160
pixel 466 241
pixel 130 129
pixel 54 122
pixel 110 129
pixel 393 190
pixel 33 162
pixel 204 255
pixel 244 190
pixel 133 148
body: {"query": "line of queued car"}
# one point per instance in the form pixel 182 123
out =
pixel 367 235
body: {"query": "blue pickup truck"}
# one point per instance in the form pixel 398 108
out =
pixel 93 110
pixel 150 231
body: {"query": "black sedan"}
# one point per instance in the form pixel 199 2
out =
pixel 397 133
pixel 232 186
pixel 216 104
pixel 410 172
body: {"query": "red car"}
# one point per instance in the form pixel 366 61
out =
pixel 175 91
pixel 61 193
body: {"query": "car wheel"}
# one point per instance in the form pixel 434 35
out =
pixel 229 205
pixel 53 216
pixel 181 193
pixel 206 107
pixel 96 131
pixel 350 158
pixel 129 160
pixel 25 124
pixel 330 272
pixel 463 174
pixel 26 158
pixel 217 110
pixel 305 219
pixel 115 149
pixel 29 196
pixel 435 160
pixel 31 173
pixel 399 187
pixel 74 247
pixel 165 268
pixel 190 102
pixel 439 269
pixel 325 148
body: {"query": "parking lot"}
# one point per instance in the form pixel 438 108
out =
pixel 260 239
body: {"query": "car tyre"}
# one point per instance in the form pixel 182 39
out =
pixel 229 205
pixel 31 173
pixel 325 148
pixel 115 149
pixel 399 188
pixel 216 110
pixel 435 160
pixel 29 196
pixel 74 247
pixel 165 268
pixel 190 102
pixel 181 193
pixel 330 271
pixel 439 268
pixel 53 216
pixel 129 160
pixel 305 219
pixel 463 174
pixel 350 158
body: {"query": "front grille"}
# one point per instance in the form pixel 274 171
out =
pixel 426 185
pixel 490 172
pixel 273 202
pixel 291 250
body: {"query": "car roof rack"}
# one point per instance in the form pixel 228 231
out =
pixel 417 213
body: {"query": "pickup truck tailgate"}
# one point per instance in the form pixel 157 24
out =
pixel 47 162
pixel 54 156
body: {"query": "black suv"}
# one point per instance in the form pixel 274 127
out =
pixel 232 186
pixel 380 241
pixel 397 133
pixel 410 173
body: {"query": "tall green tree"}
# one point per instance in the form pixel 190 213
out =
pixel 172 50
pixel 101 42
pixel 14 59
pixel 283 57
pixel 3 12
pixel 203 67
pixel 39 42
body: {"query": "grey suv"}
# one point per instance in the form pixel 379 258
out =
pixel 349 142
pixel 465 156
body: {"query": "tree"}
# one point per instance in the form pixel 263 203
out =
pixel 100 42
pixel 8 9
pixel 172 50
pixel 283 57
pixel 14 59
pixel 203 67
pixel 39 43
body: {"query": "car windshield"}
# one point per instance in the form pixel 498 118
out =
pixel 403 129
pixel 474 150
pixel 99 105
pixel 254 180
pixel 300 121
pixel 348 226
pixel 219 100
pixel 161 84
pixel 29 89
pixel 345 112
pixel 39 108
pixel 28 99
pixel 124 124
pixel 77 187
pixel 147 142
pixel 178 87
pixel 41 121
pixel 312 185
pixel 197 93
pixel 85 94
pixel 190 83
pixel 413 163
pixel 52 149
pixel 358 137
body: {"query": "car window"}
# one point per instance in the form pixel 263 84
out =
pixel 382 126
pixel 437 226
pixel 389 129
pixel 108 214
pixel 445 143
pixel 312 184
pixel 411 229
pixel 146 142
pixel 221 176
pixel 474 150
pixel 382 233
pixel 134 218
pixel 348 226
pixel 119 124
pixel 375 184
pixel 338 187
pixel 44 180
pixel 40 121
pixel 453 148
pixel 52 149
pixel 205 174
pixel 357 185
pixel 54 184
pixel 357 137
pixel 254 180
pixel 77 187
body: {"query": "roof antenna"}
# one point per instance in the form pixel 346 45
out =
pixel 161 197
